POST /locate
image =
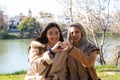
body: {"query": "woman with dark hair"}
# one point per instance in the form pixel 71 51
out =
pixel 46 56
pixel 82 54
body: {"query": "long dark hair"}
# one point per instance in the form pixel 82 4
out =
pixel 43 36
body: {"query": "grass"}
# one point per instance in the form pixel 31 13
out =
pixel 13 76
pixel 108 72
pixel 104 72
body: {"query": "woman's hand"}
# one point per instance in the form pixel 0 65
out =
pixel 67 46
pixel 59 46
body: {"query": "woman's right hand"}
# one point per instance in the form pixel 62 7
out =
pixel 68 45
pixel 59 46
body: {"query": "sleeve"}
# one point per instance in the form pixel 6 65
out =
pixel 92 48
pixel 86 59
pixel 39 60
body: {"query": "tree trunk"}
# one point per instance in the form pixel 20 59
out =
pixel 102 61
pixel 117 59
pixel 70 9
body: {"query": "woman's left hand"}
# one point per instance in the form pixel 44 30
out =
pixel 67 46
pixel 59 46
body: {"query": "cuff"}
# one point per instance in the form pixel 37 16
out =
pixel 47 58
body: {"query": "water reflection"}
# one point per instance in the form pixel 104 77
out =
pixel 13 55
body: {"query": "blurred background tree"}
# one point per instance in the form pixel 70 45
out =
pixel 29 27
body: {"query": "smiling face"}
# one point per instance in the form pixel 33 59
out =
pixel 75 35
pixel 53 35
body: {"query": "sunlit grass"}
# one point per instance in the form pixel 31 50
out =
pixel 108 72
pixel 13 76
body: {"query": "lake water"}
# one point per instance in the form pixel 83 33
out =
pixel 14 54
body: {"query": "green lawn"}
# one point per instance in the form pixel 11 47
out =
pixel 104 72
pixel 14 76
pixel 108 72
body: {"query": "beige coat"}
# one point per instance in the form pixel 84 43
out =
pixel 40 59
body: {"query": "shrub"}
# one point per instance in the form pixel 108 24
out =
pixel 3 34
